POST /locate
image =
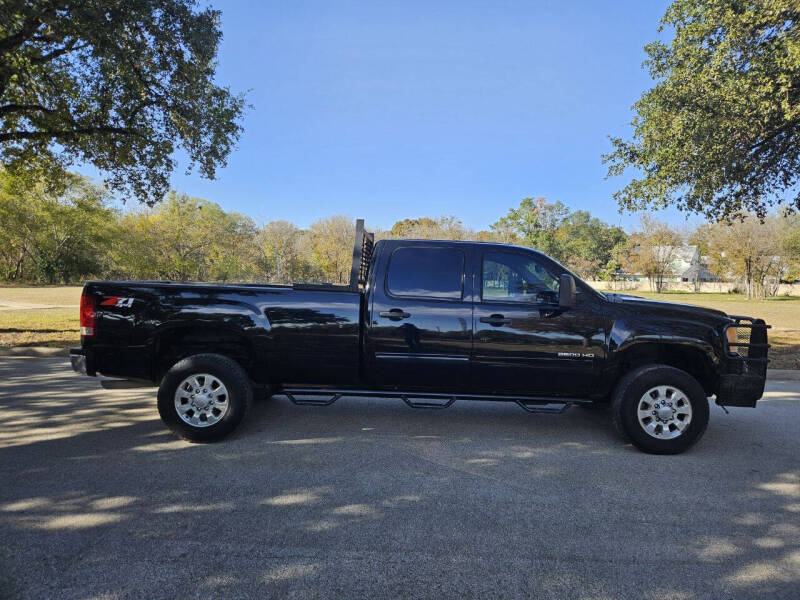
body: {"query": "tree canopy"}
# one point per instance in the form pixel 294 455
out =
pixel 719 133
pixel 118 84
pixel 50 238
pixel 79 232
pixel 582 242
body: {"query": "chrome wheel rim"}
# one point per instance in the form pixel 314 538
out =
pixel 664 412
pixel 201 400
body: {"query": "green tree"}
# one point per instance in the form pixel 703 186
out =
pixel 752 250
pixel 652 251
pixel 185 239
pixel 439 228
pixel 719 134
pixel 117 84
pixel 586 244
pixel 53 238
pixel 533 224
pixel 582 242
pixel 789 237
pixel 283 256
pixel 332 248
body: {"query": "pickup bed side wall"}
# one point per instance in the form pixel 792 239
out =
pixel 278 333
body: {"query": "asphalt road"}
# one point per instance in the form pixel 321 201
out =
pixel 368 498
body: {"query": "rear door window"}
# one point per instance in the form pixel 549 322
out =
pixel 426 273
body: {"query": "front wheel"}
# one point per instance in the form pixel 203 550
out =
pixel 204 397
pixel 660 409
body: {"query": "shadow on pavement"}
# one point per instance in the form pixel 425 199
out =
pixel 371 499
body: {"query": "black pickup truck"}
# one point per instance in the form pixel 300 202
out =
pixel 428 322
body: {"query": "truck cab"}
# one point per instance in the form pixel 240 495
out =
pixel 481 317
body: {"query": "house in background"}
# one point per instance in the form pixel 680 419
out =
pixel 686 264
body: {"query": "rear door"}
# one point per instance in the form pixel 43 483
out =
pixel 419 333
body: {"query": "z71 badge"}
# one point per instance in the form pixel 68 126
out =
pixel 118 302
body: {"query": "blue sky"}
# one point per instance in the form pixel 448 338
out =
pixel 388 110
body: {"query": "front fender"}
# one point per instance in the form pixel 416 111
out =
pixel 626 335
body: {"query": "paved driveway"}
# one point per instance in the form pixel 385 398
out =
pixel 372 499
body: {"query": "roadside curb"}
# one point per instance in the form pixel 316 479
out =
pixel 783 374
pixel 40 351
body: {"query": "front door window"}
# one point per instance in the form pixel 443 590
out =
pixel 511 277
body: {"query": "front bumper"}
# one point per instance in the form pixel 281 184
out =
pixel 740 390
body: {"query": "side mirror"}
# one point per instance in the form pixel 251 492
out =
pixel 566 291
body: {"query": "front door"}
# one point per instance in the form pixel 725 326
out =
pixel 420 330
pixel 524 343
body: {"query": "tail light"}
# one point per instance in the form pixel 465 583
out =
pixel 87 315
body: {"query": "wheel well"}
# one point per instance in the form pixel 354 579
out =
pixel 680 356
pixel 176 345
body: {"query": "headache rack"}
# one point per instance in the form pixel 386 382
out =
pixel 362 254
pixel 751 345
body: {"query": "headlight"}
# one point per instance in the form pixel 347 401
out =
pixel 730 333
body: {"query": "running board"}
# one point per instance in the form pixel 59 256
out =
pixel 327 402
pixel 422 400
pixel 544 408
pixel 428 405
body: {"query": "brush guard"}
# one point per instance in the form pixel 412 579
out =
pixel 743 383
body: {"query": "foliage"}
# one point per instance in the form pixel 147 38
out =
pixel 185 239
pixel 283 255
pixel 651 251
pixel 584 243
pixel 117 84
pixel 753 251
pixel 534 224
pixel 719 133
pixel 75 234
pixel 425 228
pixel 332 247
pixel 53 237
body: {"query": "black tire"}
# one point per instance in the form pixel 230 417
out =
pixel 239 396
pixel 626 402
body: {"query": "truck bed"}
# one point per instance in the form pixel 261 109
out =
pixel 142 324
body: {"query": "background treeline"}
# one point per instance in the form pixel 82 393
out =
pixel 76 232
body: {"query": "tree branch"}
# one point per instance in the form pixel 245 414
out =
pixel 18 136
pixel 773 134
pixel 12 108
pixel 57 52
pixel 29 26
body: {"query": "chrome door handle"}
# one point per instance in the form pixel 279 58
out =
pixel 495 320
pixel 395 314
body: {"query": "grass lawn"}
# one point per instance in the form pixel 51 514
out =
pixel 58 327
pixel 61 295
pixel 55 327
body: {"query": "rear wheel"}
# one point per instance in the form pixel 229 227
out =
pixel 204 397
pixel 660 409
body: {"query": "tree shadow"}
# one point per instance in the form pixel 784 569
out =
pixel 369 498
